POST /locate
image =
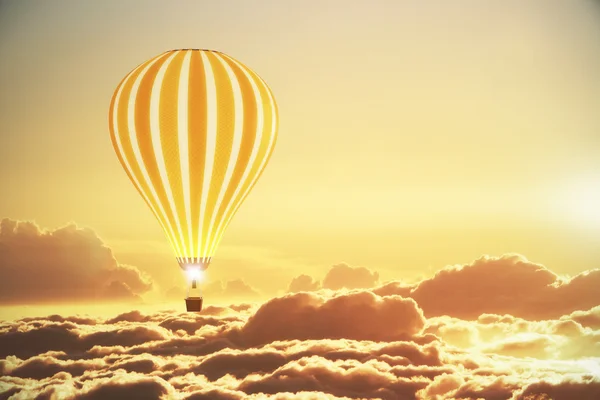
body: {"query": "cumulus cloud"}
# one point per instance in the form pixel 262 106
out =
pixel 340 276
pixel 303 283
pixel 66 264
pixel 359 315
pixel 344 276
pixel 509 284
pixel 588 319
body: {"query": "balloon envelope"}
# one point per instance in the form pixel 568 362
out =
pixel 193 129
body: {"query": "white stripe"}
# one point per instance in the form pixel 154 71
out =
pixel 182 133
pixel 155 134
pixel 257 142
pixel 137 153
pixel 235 149
pixel 211 143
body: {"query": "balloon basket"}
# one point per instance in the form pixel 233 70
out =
pixel 193 304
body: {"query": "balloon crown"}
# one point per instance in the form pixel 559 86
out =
pixel 214 51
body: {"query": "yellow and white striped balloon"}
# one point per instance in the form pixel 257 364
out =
pixel 193 129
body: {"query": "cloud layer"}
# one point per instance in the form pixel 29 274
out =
pixel 324 345
pixel 67 264
pixel 509 284
pixel 498 328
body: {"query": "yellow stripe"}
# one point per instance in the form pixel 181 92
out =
pixel 183 134
pixel 196 142
pixel 211 143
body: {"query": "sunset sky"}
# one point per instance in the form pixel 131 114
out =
pixel 412 135
pixel 429 219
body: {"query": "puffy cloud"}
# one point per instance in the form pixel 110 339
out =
pixel 501 285
pixel 590 318
pixel 67 264
pixel 344 276
pixel 439 386
pixel 36 338
pixel 359 315
pixel 353 379
pixel 508 284
pixel 340 276
pixel 127 388
pixel 394 288
pixel 303 283
pixel 583 389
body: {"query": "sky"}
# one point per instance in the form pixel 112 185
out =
pixel 427 228
pixel 412 135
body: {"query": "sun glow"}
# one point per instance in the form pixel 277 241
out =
pixel 581 201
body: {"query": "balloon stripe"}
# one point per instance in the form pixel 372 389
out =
pixel 197 125
pixel 238 125
pixel 183 135
pixel 211 142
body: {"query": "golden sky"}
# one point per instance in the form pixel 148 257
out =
pixel 428 226
pixel 413 134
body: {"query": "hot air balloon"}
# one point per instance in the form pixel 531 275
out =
pixel 193 130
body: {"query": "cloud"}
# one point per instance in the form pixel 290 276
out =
pixel 340 378
pixel 584 389
pixel 344 276
pixel 40 337
pixel 509 284
pixel 359 315
pixel 589 319
pixel 340 276
pixel 67 264
pixel 127 388
pixel 303 283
